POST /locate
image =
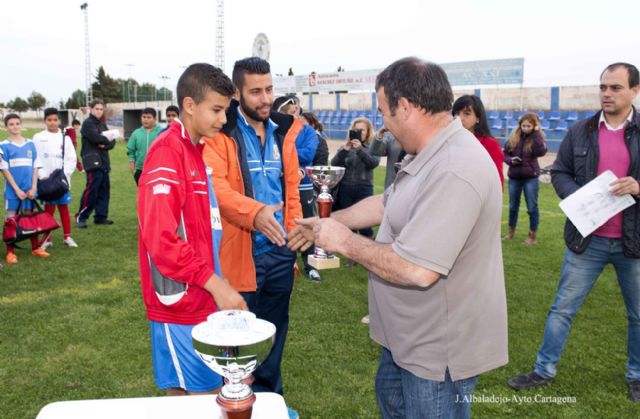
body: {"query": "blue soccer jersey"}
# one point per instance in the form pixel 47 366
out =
pixel 20 159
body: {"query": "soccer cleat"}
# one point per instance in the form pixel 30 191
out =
pixel 70 242
pixel 103 221
pixel 81 223
pixel 314 275
pixel 39 252
pixel 47 244
pixel 11 258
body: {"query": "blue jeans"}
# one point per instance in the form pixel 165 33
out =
pixel 578 275
pixel 401 394
pixel 530 187
pixel 274 281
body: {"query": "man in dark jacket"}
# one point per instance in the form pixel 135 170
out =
pixel 95 156
pixel 607 141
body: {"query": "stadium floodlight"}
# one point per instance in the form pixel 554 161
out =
pixel 87 55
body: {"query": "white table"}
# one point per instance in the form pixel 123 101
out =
pixel 267 406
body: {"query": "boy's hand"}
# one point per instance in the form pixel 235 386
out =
pixel 31 193
pixel 225 296
pixel 21 194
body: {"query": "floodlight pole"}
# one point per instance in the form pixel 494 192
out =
pixel 219 55
pixel 164 88
pixel 87 55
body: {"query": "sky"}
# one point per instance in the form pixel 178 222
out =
pixel 563 42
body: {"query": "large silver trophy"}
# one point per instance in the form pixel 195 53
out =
pixel 326 178
pixel 233 343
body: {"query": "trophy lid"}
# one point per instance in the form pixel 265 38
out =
pixel 233 328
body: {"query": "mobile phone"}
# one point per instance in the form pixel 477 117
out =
pixel 355 134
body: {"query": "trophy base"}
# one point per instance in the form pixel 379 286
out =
pixel 323 263
pixel 236 409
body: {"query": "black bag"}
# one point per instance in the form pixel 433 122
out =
pixel 56 185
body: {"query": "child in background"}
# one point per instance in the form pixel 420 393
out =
pixel 49 147
pixel 20 169
pixel 141 140
pixel 72 132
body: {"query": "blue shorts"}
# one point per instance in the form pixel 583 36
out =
pixel 175 362
pixel 64 200
pixel 13 204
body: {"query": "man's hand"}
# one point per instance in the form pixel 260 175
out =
pixel 266 223
pixel 329 234
pixel 225 296
pixel 625 185
pixel 301 237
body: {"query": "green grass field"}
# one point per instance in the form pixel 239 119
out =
pixel 73 327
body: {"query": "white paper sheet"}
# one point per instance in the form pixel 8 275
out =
pixel 592 205
pixel 111 134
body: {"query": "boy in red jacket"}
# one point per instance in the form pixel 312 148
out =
pixel 181 285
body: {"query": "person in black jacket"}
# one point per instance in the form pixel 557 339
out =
pixel 607 141
pixel 95 157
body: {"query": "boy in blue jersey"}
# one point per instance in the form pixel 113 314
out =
pixel 20 168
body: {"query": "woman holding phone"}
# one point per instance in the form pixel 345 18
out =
pixel 521 151
pixel 359 163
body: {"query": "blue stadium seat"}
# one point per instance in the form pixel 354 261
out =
pixel 513 124
pixel 497 124
pixel 562 126
pixel 540 115
pixel 572 116
pixel 493 115
pixel 545 125
pixel 554 116
pixel 508 115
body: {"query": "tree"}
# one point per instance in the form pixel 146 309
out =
pixel 290 71
pixel 106 88
pixel 18 104
pixel 165 94
pixel 76 101
pixel 36 101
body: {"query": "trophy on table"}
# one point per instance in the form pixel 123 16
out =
pixel 326 178
pixel 233 343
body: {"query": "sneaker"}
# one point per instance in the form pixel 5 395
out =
pixel 314 275
pixel 634 390
pixel 529 380
pixel 39 252
pixel 11 258
pixel 103 221
pixel 292 413
pixel 47 244
pixel 70 242
pixel 365 319
pixel 81 223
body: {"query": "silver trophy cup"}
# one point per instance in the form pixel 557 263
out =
pixel 233 343
pixel 325 178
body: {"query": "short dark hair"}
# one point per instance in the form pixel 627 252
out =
pixel 472 101
pixel 50 111
pixel 422 83
pixel 249 65
pixel 200 78
pixel 172 108
pixel 11 116
pixel 149 111
pixel 632 70
pixel 75 122
pixel 95 102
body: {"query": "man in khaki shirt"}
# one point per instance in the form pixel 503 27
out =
pixel 436 282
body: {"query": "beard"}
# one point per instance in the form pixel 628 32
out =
pixel 251 113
